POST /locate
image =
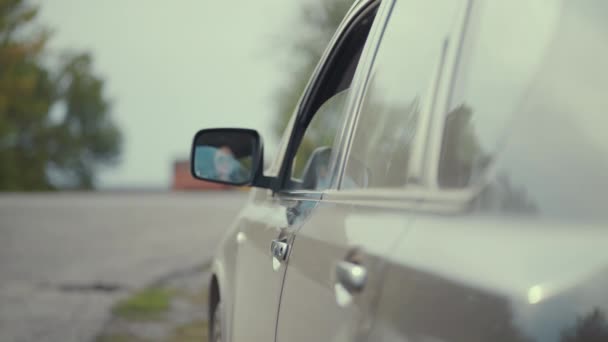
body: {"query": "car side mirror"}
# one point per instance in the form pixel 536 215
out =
pixel 232 156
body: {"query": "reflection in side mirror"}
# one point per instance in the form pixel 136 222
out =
pixel 226 155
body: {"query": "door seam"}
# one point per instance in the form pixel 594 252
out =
pixel 276 324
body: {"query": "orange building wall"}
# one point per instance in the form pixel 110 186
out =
pixel 183 180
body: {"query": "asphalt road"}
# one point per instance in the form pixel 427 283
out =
pixel 66 258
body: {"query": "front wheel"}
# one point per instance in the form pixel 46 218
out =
pixel 216 331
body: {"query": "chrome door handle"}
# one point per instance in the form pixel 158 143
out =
pixel 351 276
pixel 279 249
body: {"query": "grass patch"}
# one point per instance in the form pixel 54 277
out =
pixel 199 297
pixel 147 304
pixel 191 332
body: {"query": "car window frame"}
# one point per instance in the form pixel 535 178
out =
pixel 354 14
pixel 452 197
pixel 433 198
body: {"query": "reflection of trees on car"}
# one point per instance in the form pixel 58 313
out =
pixel 464 161
pixel 384 136
pixel 589 328
pixel 504 196
pixel 461 149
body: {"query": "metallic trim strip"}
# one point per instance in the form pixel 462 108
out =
pixel 446 90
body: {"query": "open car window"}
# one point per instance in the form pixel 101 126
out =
pixel 307 165
pixel 311 162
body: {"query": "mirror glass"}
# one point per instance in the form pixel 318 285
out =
pixel 225 155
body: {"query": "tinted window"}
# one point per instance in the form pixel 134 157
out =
pixel 406 65
pixel 529 113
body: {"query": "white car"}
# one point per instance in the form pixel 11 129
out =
pixel 444 178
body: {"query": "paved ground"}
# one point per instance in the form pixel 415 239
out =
pixel 66 258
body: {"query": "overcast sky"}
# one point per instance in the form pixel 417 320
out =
pixel 172 67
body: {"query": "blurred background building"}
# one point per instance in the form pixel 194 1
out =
pixel 183 180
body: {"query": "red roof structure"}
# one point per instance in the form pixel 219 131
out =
pixel 183 180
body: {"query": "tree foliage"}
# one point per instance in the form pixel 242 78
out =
pixel 55 125
pixel 589 328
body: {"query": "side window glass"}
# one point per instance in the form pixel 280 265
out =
pixel 315 132
pixel 500 60
pixel 405 67
pixel 311 163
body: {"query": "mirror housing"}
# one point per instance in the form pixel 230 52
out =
pixel 232 156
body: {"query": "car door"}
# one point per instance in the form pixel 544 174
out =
pixel 312 169
pixel 338 261
pixel 269 222
pixel 256 285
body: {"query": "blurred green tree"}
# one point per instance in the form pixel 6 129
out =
pixel 589 328
pixel 55 125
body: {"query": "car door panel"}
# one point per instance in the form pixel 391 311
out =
pixel 338 232
pixel 426 295
pixel 480 277
pixel 257 284
pixel 260 274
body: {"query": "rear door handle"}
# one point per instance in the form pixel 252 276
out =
pixel 351 276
